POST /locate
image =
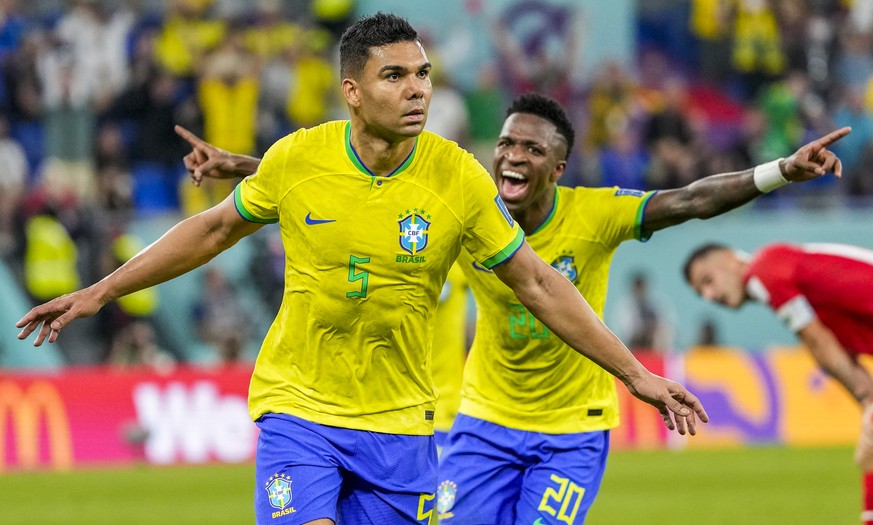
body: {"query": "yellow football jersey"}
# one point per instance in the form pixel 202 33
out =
pixel 450 347
pixel 366 258
pixel 519 374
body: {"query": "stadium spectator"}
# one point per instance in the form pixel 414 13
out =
pixel 137 347
pixel 322 375
pixel 757 49
pixel 13 182
pixel 612 105
pixel 227 93
pixel 148 110
pixel 452 120
pixel 114 181
pixel 642 321
pixel 220 318
pixel 24 92
pixel 709 21
pixel 313 92
pixel 270 32
pixel 531 153
pixel 824 294
pixel 121 321
pixel 185 35
pixel 707 334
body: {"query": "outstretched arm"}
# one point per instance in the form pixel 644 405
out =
pixel 830 355
pixel 205 160
pixel 557 303
pixel 718 194
pixel 189 244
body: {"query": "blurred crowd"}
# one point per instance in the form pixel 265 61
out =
pixel 91 89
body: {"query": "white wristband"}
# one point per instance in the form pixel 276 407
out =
pixel 768 176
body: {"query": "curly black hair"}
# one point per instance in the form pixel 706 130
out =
pixel 377 30
pixel 549 109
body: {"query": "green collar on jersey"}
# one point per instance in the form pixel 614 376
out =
pixel 353 155
pixel 550 216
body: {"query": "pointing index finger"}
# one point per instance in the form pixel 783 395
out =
pixel 192 139
pixel 833 136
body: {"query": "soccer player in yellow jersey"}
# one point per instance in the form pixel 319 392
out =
pixel 531 442
pixel 373 212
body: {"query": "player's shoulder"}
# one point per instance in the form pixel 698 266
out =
pixel 605 200
pixel 613 194
pixel 435 146
pixel 774 261
pixel 332 132
pixel 775 252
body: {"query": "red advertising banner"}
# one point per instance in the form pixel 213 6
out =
pixel 102 415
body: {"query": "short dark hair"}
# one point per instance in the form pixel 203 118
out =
pixel 700 252
pixel 549 109
pixel 377 30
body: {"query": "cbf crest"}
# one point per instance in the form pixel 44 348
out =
pixel 414 230
pixel 446 493
pixel 566 264
pixel 278 488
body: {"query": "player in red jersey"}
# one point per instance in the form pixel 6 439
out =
pixel 823 293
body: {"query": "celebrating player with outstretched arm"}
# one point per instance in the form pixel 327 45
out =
pixel 373 212
pixel 485 477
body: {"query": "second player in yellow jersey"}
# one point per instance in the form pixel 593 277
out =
pixel 535 382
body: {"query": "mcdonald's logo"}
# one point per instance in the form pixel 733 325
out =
pixel 24 408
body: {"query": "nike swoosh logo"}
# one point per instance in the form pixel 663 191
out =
pixel 539 521
pixel 310 221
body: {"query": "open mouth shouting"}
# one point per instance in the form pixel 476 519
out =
pixel 512 185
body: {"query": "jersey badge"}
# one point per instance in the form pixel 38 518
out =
pixel 278 488
pixel 446 497
pixel 414 231
pixel 624 192
pixel 503 209
pixel 566 264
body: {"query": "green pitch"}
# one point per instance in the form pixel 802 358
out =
pixel 774 486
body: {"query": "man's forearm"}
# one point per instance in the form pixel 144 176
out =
pixel 855 379
pixel 188 245
pixel 244 165
pixel 566 313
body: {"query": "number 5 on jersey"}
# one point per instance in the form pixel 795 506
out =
pixel 356 274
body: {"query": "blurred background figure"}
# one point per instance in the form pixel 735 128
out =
pixel 644 322
pixel 220 318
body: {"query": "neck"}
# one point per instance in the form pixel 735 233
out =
pixel 379 154
pixel 534 215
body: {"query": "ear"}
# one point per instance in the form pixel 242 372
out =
pixel 351 92
pixel 559 171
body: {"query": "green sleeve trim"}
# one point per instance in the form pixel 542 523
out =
pixel 505 253
pixel 244 213
pixel 641 215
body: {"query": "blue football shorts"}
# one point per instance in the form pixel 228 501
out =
pixel 440 438
pixel 306 471
pixel 491 475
